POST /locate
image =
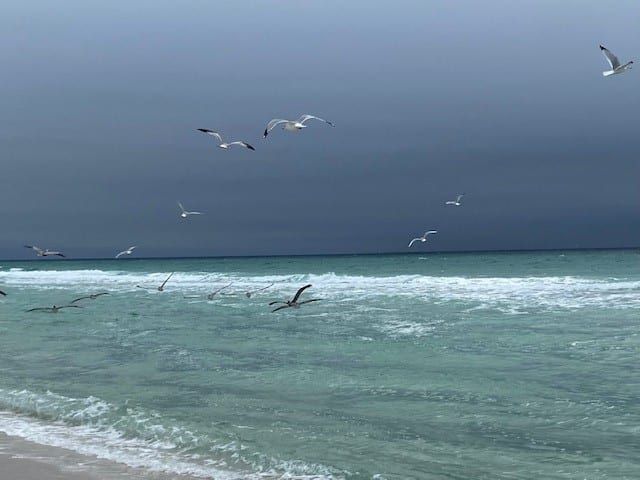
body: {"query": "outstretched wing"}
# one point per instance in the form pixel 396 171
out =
pixel 459 198
pixel 2 293
pixel 413 241
pixel 165 282
pixel 273 124
pixel 244 144
pixel 279 308
pixel 430 232
pixel 309 301
pixel 38 309
pixel 121 253
pixel 306 117
pixel 36 249
pixel 611 58
pixel 211 132
pixel 299 292
pixel 80 298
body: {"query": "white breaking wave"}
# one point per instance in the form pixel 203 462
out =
pixel 505 293
pixel 96 428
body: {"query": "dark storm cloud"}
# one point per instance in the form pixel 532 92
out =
pixel 502 100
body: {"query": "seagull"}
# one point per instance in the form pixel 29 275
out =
pixel 54 309
pixel 223 144
pixel 455 202
pixel 185 213
pixel 423 238
pixel 44 253
pixel 215 292
pixel 292 125
pixel 614 62
pixel 161 287
pixel 128 251
pixel 294 302
pixel 248 294
pixel 93 296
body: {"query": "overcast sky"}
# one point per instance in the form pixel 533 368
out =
pixel 502 100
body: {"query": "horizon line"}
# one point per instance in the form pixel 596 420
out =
pixel 346 254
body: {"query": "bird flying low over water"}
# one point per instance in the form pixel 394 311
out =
pixel 128 251
pixel 54 309
pixel 212 295
pixel 44 253
pixel 248 294
pixel 222 143
pixel 93 296
pixel 292 125
pixel 456 202
pixel 294 302
pixel 185 213
pixel 616 67
pixel 161 287
pixel 423 238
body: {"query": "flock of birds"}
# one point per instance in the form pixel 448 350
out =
pixel 291 126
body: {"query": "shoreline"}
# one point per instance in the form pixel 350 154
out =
pixel 22 459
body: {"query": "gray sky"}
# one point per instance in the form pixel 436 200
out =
pixel 502 100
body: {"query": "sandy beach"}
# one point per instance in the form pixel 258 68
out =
pixel 24 460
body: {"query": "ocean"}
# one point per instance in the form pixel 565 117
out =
pixel 421 366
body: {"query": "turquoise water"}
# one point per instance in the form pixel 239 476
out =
pixel 520 365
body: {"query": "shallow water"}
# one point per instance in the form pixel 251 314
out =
pixel 519 365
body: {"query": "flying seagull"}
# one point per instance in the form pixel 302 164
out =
pixel 93 296
pixel 184 213
pixel 44 253
pixel 161 287
pixel 455 202
pixel 248 294
pixel 54 309
pixel 294 302
pixel 614 62
pixel 292 125
pixel 423 238
pixel 128 251
pixel 215 292
pixel 222 143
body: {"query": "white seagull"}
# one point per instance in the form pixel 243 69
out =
pixel 44 253
pixel 293 125
pixel 423 238
pixel 222 143
pixel 455 202
pixel 614 62
pixel 128 251
pixel 185 213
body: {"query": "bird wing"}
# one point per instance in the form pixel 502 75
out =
pixel 309 301
pixel 165 282
pixel 33 247
pixel 450 202
pixel 70 306
pixel 57 254
pixel 276 302
pixel 430 232
pixel 611 58
pixel 413 241
pixel 280 308
pixel 244 144
pixel 299 292
pixel 2 293
pixel 212 133
pixel 193 213
pixel 121 253
pixel 272 124
pixel 38 309
pixel 181 207
pixel 306 117
pixel 460 198
pixel 80 298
